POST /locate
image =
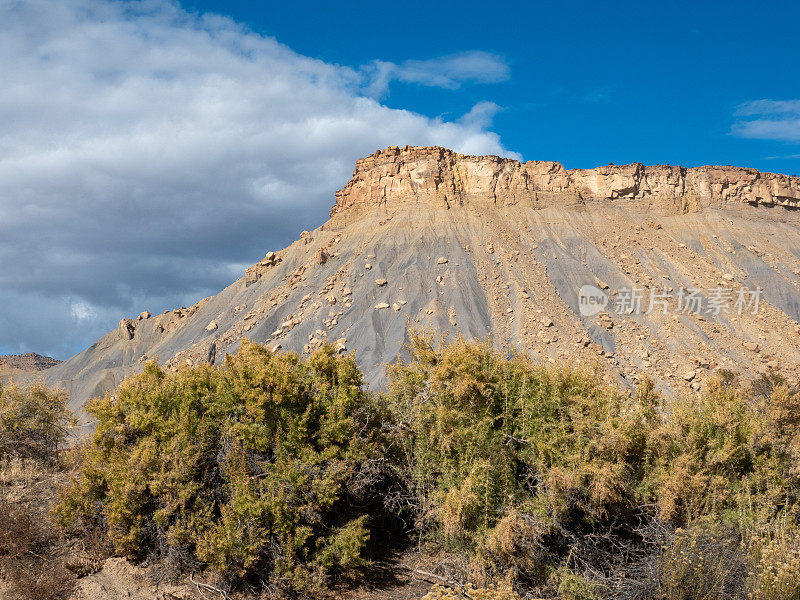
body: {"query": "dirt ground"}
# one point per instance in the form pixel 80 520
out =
pixel 120 579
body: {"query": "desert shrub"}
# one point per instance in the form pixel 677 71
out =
pixel 33 424
pixel 548 478
pixel 18 531
pixel 544 480
pixel 514 461
pixel 731 452
pixel 33 421
pixel 266 467
pixel 572 586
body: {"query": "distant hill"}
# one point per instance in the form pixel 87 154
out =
pixel 484 246
pixel 30 362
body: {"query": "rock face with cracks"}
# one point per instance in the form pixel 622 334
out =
pixel 438 176
pixel 484 246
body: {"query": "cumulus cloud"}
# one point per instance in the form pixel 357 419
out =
pixel 147 155
pixel 768 120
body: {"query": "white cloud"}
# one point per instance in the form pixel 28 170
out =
pixel 448 72
pixel 768 120
pixel 146 153
pixel 480 116
pixel 768 107
pixel 81 311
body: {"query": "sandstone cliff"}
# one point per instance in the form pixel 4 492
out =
pixel 439 176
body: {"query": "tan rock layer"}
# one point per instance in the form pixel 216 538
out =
pixel 439 176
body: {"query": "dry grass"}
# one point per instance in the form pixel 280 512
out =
pixel 776 553
pixel 439 592
pixel 28 555
pixel 38 562
pixel 703 563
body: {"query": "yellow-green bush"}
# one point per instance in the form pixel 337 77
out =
pixel 572 586
pixel 503 453
pixel 546 475
pixel 33 421
pixel 264 467
pixel 732 453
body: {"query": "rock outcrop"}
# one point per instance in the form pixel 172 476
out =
pixel 254 273
pixel 441 177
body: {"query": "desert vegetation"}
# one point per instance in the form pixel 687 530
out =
pixel 553 483
pixel 269 469
pixel 33 424
pixel 283 475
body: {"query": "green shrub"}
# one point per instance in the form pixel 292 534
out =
pixel 731 453
pixel 265 467
pixel 33 421
pixel 504 454
pixel 572 586
pixel 530 469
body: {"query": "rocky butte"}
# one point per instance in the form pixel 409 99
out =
pixel 441 177
pixel 483 246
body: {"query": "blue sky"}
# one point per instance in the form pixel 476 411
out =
pixel 589 82
pixel 150 150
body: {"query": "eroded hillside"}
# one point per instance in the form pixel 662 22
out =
pixel 483 246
